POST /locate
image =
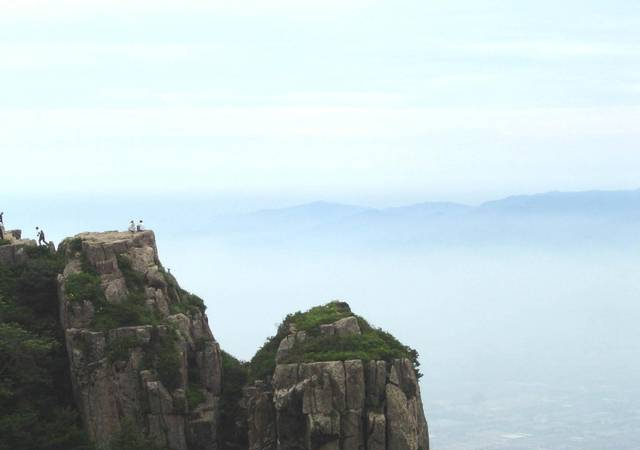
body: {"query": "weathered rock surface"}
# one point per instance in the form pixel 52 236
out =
pixel 140 373
pixel 15 252
pixel 337 405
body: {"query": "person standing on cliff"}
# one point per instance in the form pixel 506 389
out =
pixel 140 226
pixel 132 227
pixel 41 238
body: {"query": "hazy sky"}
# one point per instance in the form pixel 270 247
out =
pixel 368 101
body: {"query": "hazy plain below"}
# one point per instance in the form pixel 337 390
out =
pixel 525 312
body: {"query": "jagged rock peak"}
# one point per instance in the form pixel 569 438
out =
pixel 140 347
pixel 335 383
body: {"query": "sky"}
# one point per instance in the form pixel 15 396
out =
pixel 373 102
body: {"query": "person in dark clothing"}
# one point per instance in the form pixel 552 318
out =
pixel 1 217
pixel 41 238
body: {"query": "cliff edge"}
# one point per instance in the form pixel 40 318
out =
pixel 140 349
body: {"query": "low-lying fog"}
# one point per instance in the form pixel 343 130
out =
pixel 527 325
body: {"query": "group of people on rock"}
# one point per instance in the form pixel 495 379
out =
pixel 134 228
pixel 39 232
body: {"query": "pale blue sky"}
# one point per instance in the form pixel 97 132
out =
pixel 367 101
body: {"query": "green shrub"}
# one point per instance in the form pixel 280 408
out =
pixel 195 396
pixel 372 344
pixel 74 245
pixel 187 304
pixel 231 427
pixel 130 312
pixel 133 279
pixel 367 346
pixel 37 411
pixel 83 286
pixel 312 319
pixel 161 354
pixel 130 438
pixel 263 363
pixel 119 349
pixel 4 242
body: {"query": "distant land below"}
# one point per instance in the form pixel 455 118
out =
pixel 554 218
pixel 555 202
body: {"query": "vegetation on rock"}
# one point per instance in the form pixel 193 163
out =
pixel 372 344
pixel 182 301
pixel 119 349
pixel 232 427
pixel 38 412
pixel 161 354
pixel 131 438
pixel 83 286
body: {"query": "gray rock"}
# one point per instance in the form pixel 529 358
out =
pixel 338 405
pixel 343 327
pixel 112 372
pixel 347 326
pixel 287 344
pixel 15 252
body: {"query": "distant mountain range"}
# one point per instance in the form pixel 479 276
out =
pixel 588 203
pixel 556 218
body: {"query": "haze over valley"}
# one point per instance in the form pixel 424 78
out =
pixel 524 310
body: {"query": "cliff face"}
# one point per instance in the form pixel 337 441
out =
pixel 147 374
pixel 351 404
pixel 140 349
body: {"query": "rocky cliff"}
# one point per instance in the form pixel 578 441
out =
pixel 112 354
pixel 140 349
pixel 341 385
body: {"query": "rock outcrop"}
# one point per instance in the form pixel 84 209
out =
pixel 15 250
pixel 140 347
pixel 336 405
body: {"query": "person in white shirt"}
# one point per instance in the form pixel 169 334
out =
pixel 140 226
pixel 132 227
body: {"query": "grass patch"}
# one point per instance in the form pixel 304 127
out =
pixel 162 354
pixel 37 410
pixel 311 320
pixel 132 278
pixel 187 304
pixel 4 242
pixel 129 313
pixel 231 428
pixel 367 346
pixel 195 396
pixel 74 245
pixel 119 349
pixel 131 438
pixel 372 344
pixel 83 286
